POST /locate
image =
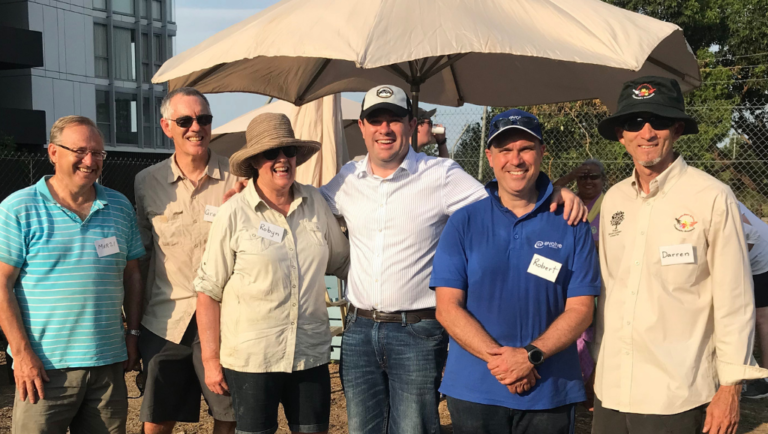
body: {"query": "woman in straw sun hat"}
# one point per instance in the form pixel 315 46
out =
pixel 261 289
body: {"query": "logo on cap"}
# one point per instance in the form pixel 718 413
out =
pixel 384 92
pixel 643 91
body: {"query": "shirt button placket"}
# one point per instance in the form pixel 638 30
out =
pixel 379 248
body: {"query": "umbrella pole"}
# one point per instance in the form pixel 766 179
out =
pixel 415 109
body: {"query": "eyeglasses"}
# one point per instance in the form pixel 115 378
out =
pixel 187 121
pixel 81 153
pixel 590 176
pixel 634 125
pixel 141 383
pixel 426 121
pixel 521 121
pixel 288 151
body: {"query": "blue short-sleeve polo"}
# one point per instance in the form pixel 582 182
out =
pixel 486 250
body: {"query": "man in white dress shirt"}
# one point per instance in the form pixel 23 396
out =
pixel 396 203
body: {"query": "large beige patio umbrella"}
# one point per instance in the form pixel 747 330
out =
pixel 491 52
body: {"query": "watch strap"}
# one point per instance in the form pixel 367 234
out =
pixel 134 332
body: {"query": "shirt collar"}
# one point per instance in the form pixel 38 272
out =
pixel 543 186
pixel 662 183
pixel 254 200
pixel 409 164
pixel 42 189
pixel 212 169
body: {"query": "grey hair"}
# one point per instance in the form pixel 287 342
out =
pixel 599 165
pixel 165 106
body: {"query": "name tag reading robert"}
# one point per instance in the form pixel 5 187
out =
pixel 677 254
pixel 106 246
pixel 271 232
pixel 544 268
pixel 210 213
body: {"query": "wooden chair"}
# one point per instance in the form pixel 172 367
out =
pixel 341 303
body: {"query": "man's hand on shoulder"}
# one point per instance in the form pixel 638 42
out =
pixel 239 186
pixel 29 373
pixel 574 209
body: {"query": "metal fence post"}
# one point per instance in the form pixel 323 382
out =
pixel 482 145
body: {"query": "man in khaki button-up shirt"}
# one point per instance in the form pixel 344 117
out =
pixel 676 318
pixel 176 201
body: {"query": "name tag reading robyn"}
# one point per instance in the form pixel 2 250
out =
pixel 210 213
pixel 677 254
pixel 271 232
pixel 106 246
pixel 544 268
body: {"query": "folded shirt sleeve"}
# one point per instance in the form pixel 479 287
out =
pixel 218 259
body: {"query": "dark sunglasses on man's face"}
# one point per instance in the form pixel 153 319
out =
pixel 288 151
pixel 522 121
pixel 634 125
pixel 428 122
pixel 187 121
pixel 590 176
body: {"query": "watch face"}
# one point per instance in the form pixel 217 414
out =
pixel 536 356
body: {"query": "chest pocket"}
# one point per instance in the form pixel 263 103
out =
pixel 169 228
pixel 680 277
pixel 251 243
pixel 315 232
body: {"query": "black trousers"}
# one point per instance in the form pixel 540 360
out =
pixel 607 421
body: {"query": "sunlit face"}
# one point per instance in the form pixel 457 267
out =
pixel 516 161
pixel 74 170
pixel 275 175
pixel 425 132
pixel 649 147
pixel 192 141
pixel 588 188
pixel 386 137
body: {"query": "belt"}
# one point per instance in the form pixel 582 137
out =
pixel 407 317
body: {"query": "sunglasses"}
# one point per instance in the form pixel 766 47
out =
pixel 590 176
pixel 288 151
pixel 634 125
pixel 520 121
pixel 187 121
pixel 427 121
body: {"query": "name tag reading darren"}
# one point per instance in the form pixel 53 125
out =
pixel 677 254
pixel 544 268
pixel 106 246
pixel 210 213
pixel 271 232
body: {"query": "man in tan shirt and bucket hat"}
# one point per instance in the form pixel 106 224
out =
pixel 676 316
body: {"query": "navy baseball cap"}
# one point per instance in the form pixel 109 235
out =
pixel 514 119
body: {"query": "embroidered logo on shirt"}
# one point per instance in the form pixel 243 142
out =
pixel 685 223
pixel 643 91
pixel 616 220
pixel 552 244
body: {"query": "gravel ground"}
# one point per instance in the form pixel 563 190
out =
pixel 754 414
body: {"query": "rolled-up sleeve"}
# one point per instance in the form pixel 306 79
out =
pixel 733 298
pixel 218 258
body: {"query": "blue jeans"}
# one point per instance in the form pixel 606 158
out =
pixel 390 373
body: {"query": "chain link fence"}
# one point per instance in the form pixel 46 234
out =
pixel 22 169
pixel 732 144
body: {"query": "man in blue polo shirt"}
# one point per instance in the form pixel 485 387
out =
pixel 515 288
pixel 69 252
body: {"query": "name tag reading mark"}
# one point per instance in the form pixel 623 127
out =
pixel 271 232
pixel 544 268
pixel 106 246
pixel 210 213
pixel 677 254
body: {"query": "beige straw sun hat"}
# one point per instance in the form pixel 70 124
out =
pixel 268 131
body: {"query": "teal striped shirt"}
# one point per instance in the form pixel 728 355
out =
pixel 70 298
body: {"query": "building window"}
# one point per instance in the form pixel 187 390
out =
pixel 143 8
pixel 161 141
pixel 126 122
pixel 157 10
pixel 125 7
pixel 146 72
pixel 157 47
pixel 103 119
pixel 171 47
pixel 147 121
pixel 171 11
pixel 100 4
pixel 125 54
pixel 100 50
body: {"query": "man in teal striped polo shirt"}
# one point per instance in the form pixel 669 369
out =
pixel 68 267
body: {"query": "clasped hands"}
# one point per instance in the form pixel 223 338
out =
pixel 512 368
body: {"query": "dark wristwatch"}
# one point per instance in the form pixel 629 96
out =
pixel 535 355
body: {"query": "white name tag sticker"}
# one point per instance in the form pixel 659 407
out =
pixel 210 213
pixel 271 232
pixel 544 268
pixel 106 246
pixel 677 254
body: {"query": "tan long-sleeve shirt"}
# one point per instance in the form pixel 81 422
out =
pixel 174 219
pixel 676 315
pixel 268 271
